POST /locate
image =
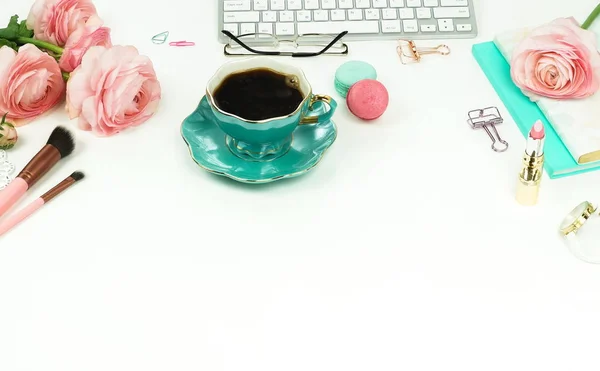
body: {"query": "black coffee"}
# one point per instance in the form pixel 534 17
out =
pixel 259 94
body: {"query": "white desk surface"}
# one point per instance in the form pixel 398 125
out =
pixel 403 250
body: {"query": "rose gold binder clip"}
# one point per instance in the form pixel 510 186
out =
pixel 409 52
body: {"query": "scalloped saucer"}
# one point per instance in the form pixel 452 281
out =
pixel 207 147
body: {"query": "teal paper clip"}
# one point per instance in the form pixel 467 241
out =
pixel 160 38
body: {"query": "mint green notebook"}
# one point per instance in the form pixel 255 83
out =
pixel 558 161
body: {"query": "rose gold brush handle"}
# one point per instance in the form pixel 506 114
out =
pixel 12 193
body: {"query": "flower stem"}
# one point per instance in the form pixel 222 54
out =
pixel 66 76
pixel 41 44
pixel 590 19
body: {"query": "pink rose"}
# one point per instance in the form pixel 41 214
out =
pixel 31 83
pixel 83 38
pixel 558 60
pixel 112 89
pixel 55 20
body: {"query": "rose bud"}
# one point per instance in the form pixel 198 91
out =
pixel 8 134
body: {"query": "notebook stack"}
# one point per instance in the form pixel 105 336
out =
pixel 572 126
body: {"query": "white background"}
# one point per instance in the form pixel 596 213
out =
pixel 403 250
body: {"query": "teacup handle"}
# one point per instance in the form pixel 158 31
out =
pixel 318 119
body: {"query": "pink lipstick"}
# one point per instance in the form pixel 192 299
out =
pixel 530 175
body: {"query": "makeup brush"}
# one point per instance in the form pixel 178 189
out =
pixel 27 211
pixel 60 144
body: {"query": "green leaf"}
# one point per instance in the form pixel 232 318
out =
pixel 24 31
pixel 14 21
pixel 14 29
pixel 10 44
pixel 11 32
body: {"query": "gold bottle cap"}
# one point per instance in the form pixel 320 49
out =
pixel 577 218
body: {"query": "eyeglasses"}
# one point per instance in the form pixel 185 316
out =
pixel 311 45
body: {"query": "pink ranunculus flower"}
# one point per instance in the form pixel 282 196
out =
pixel 83 38
pixel 558 60
pixel 31 83
pixel 112 89
pixel 55 20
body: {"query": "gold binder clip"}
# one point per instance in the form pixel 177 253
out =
pixel 410 53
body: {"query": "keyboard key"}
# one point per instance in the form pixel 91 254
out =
pixel 303 16
pixel 396 3
pixel 423 13
pixel 236 5
pixel 231 27
pixel 428 28
pixel 239 17
pixel 390 26
pixel 355 14
pixel 328 4
pixel 389 14
pixel 345 4
pixel 266 28
pixel 338 15
pixel 430 3
pixel 366 27
pixel 269 16
pixel 406 13
pixel 379 3
pixel 247 28
pixel 455 3
pixel 451 12
pixel 446 25
pixel 286 16
pixel 321 15
pixel 277 4
pixel 311 4
pixel 411 25
pixel 285 29
pixel 372 14
pixel 413 3
pixel 363 4
pixel 294 4
pixel 261 4
pixel 463 27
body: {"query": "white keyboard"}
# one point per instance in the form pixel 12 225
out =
pixel 363 19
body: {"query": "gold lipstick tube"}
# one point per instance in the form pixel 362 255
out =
pixel 530 177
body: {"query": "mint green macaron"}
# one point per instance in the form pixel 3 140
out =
pixel 350 73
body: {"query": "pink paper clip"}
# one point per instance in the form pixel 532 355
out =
pixel 182 43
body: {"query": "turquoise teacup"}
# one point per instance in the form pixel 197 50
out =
pixel 267 139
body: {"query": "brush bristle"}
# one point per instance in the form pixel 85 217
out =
pixel 78 175
pixel 62 140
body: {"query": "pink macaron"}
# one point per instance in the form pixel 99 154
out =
pixel 368 99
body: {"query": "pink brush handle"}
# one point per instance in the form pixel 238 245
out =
pixel 21 215
pixel 11 194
